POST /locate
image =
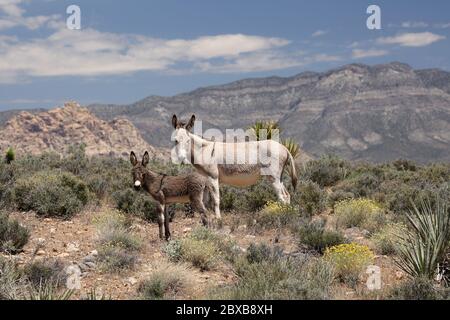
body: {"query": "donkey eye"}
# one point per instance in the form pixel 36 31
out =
pixel 176 142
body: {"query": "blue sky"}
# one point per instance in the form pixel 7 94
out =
pixel 126 51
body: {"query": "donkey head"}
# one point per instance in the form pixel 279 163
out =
pixel 139 168
pixel 181 140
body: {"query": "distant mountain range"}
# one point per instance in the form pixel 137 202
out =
pixel 360 112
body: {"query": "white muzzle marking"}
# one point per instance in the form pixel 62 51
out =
pixel 137 183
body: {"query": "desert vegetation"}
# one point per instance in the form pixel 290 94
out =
pixel 343 217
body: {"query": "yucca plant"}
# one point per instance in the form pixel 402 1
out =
pixel 269 126
pixel 49 291
pixel 423 247
pixel 292 147
pixel 10 155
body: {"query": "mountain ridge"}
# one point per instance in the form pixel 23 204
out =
pixel 360 112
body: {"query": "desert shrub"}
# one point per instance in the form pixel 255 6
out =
pixel 338 196
pixel 13 236
pixel 361 184
pixel 349 260
pixel 51 194
pixel 230 199
pixel 31 164
pixel 276 215
pixel 257 253
pixel 257 196
pixel 173 250
pixel 137 203
pixel 310 198
pixel 76 161
pixel 202 254
pixel 417 289
pixel 264 277
pixel 13 285
pixel 118 245
pixel 202 248
pixel 10 155
pixel 424 246
pixel 326 171
pixel 168 281
pixel 7 175
pixel 116 259
pixel 41 273
pixel 361 212
pixel 16 285
pixel 316 237
pixel 385 240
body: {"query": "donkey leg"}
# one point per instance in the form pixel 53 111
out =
pixel 216 197
pixel 278 186
pixel 166 223
pixel 161 220
pixel 286 194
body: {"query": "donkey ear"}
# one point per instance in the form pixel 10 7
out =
pixel 190 124
pixel 133 158
pixel 174 121
pixel 145 159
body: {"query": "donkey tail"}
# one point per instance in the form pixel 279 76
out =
pixel 293 171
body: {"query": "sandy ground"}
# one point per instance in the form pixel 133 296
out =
pixel 70 241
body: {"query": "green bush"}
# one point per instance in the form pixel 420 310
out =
pixel 257 196
pixel 418 289
pixel 13 236
pixel 362 213
pixel 168 281
pixel 10 155
pixel 276 215
pixel 41 273
pixel 285 278
pixel 136 203
pixel 385 240
pixel 326 171
pixel 257 253
pixel 59 194
pixel 316 237
pixel 310 198
pixel 118 245
pixel 349 261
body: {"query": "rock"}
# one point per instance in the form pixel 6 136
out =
pixel 40 252
pixel 399 275
pixel 132 280
pixel 250 236
pixel 186 230
pixel 63 255
pixel 226 230
pixel 40 241
pixel 73 281
pixel 52 230
pixel 89 258
pixel 30 133
pixel 72 247
pixel 242 227
pixel 94 253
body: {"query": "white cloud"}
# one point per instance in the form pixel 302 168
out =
pixel 412 39
pixel 11 7
pixel 319 33
pixel 361 53
pixel 89 52
pixel 442 25
pixel 13 16
pixel 414 24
